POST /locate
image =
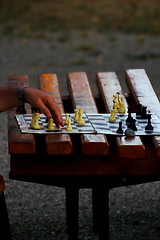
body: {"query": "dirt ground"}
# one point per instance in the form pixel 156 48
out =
pixel 37 212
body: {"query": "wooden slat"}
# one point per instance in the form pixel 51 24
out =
pixel 82 97
pixel 142 90
pixel 59 143
pixel 108 85
pixel 143 93
pixel 19 143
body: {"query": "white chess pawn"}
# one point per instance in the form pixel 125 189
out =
pixel 112 117
pixel 34 124
pixel 67 119
pixel 33 120
pixel 69 127
pixel 50 124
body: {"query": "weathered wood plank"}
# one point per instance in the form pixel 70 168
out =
pixel 142 89
pixel 59 143
pixel 19 143
pixel 108 85
pixel 143 93
pixel 82 97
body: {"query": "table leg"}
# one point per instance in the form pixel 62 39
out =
pixel 100 200
pixel 5 231
pixel 72 212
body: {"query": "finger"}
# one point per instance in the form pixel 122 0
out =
pixel 58 120
pixel 45 110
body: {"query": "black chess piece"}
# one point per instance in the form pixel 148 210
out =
pixel 21 109
pixel 120 130
pixel 129 118
pixel 149 126
pixel 144 114
pixel 36 110
pixel 133 125
pixel 138 110
pixel 46 121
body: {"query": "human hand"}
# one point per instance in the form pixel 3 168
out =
pixel 45 103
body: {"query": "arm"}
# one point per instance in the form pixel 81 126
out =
pixel 35 97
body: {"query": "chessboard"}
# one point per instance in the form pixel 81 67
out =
pixel 24 121
pixel 94 123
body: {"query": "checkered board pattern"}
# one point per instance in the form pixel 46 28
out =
pixel 24 121
pixel 94 123
pixel 102 125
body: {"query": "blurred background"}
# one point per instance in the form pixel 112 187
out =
pixel 77 35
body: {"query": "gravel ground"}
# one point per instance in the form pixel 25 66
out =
pixel 36 211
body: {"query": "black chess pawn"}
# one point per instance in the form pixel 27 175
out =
pixel 129 118
pixel 120 130
pixel 149 126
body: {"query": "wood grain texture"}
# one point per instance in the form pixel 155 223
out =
pixel 108 85
pixel 82 97
pixel 143 93
pixel 59 143
pixel 142 89
pixel 19 143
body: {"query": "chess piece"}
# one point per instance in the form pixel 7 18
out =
pixel 21 109
pixel 76 114
pixel 132 125
pixel 116 102
pixel 144 115
pixel 36 110
pixel 138 110
pixel 69 127
pixel 120 130
pixel 50 124
pixel 112 117
pixel 121 108
pixel 33 120
pixel 81 121
pixel 67 119
pixel 129 118
pixel 149 126
pixel 34 124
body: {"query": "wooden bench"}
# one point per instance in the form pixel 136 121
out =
pixel 5 232
pixel 95 161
